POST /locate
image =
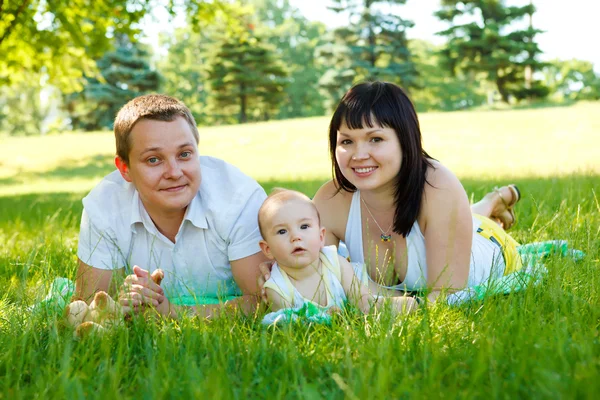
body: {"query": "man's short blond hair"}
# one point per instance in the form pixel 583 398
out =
pixel 156 107
pixel 279 196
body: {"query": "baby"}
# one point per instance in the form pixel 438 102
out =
pixel 305 269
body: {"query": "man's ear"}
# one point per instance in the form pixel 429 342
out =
pixel 266 249
pixel 123 168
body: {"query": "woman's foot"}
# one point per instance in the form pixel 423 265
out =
pixel 505 199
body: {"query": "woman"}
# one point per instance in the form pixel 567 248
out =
pixel 404 217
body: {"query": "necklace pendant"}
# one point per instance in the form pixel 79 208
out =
pixel 386 238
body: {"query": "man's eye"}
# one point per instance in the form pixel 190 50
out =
pixel 153 160
pixel 304 226
pixel 186 154
pixel 281 232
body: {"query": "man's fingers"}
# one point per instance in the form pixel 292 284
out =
pixel 136 299
pixel 265 270
pixel 157 276
pixel 140 272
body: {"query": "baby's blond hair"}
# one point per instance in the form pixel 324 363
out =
pixel 280 196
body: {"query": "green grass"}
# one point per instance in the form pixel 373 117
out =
pixel 541 343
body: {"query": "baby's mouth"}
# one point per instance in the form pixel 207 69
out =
pixel 298 250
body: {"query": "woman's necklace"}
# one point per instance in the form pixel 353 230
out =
pixel 384 236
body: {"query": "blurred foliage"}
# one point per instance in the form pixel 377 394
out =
pixel 125 74
pixel 253 60
pixel 21 109
pixel 294 39
pixel 438 88
pixel 185 70
pixel 61 38
pixel 573 79
pixel 246 75
pixel 373 45
pixel 490 43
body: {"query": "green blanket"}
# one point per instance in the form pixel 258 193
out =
pixel 533 271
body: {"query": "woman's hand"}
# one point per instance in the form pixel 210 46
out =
pixel 139 290
pixel 265 274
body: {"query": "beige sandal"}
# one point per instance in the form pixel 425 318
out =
pixel 516 195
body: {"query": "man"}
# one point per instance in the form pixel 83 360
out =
pixel 166 207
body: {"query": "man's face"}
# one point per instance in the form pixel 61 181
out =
pixel 163 166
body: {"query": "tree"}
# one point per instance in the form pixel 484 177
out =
pixel 63 38
pixel 438 88
pixel 488 42
pixel 246 74
pixel 294 39
pixel 185 70
pixel 573 79
pixel 372 46
pixel 125 74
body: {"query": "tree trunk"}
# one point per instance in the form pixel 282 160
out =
pixel 500 83
pixel 243 100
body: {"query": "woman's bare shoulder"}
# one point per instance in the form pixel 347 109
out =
pixel 329 196
pixel 439 177
pixel 333 206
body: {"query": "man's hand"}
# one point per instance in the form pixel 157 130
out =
pixel 265 274
pixel 141 289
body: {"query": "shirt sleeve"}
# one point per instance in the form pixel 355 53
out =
pixel 98 249
pixel 245 235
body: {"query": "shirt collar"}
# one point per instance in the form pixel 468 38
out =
pixel 136 212
pixel 195 212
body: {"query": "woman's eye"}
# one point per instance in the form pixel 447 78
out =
pixel 376 139
pixel 346 142
pixel 281 232
pixel 304 226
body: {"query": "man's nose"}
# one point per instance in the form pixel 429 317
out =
pixel 173 169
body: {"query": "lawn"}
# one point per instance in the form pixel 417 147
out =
pixel 543 342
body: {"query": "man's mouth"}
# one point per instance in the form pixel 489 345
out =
pixel 174 188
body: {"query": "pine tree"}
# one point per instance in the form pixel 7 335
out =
pixel 125 74
pixel 246 74
pixel 377 40
pixel 294 38
pixel 489 42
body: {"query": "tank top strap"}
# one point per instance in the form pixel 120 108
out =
pixel 329 259
pixel 280 283
pixel 353 237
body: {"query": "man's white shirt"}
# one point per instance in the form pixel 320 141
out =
pixel 220 225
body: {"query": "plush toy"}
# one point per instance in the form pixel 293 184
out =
pixel 101 314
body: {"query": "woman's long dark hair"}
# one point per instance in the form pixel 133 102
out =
pixel 388 105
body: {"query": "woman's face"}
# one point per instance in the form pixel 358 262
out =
pixel 369 158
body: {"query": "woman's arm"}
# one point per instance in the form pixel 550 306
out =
pixel 360 296
pixel 447 225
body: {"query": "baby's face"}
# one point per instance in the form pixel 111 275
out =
pixel 293 233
